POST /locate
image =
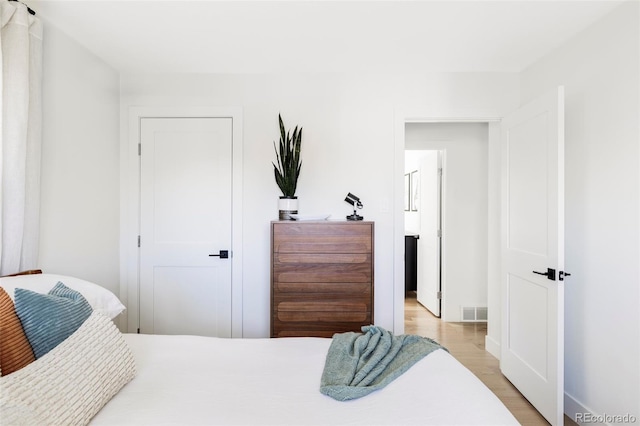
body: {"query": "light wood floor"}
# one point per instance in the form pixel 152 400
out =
pixel 465 341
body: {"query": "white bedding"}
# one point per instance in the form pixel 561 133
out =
pixel 210 381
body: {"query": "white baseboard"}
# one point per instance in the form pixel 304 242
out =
pixel 492 346
pixel 576 412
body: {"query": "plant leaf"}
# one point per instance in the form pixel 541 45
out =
pixel 287 166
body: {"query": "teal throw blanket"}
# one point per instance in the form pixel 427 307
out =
pixel 360 363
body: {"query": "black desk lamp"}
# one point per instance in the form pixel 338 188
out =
pixel 356 203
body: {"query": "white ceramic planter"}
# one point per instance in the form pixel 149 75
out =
pixel 287 207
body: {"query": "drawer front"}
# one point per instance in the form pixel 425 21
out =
pixel 327 308
pixel 327 268
pixel 328 257
pixel 304 316
pixel 337 307
pixel 322 316
pixel 321 238
pixel 346 289
pixel 316 330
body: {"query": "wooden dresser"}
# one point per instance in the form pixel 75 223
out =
pixel 321 277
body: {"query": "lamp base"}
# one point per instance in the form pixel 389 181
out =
pixel 354 217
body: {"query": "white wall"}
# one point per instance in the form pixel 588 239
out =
pixel 79 224
pixel 465 201
pixel 348 146
pixel 599 69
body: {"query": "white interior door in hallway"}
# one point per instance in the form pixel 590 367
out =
pixel 429 290
pixel 185 226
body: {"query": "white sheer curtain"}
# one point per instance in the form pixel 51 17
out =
pixel 21 124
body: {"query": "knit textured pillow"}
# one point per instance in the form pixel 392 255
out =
pixel 70 384
pixel 48 319
pixel 15 350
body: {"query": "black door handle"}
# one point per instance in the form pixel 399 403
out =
pixel 550 274
pixel 223 254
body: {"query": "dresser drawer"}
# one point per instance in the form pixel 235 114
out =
pixel 344 288
pixel 322 268
pixel 321 238
pixel 318 329
pixel 300 317
pixel 314 312
pixel 305 307
pixel 335 303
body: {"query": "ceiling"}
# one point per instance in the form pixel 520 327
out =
pixel 266 36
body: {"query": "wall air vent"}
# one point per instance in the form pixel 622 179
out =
pixel 473 314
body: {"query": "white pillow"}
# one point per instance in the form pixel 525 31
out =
pixel 100 299
pixel 70 384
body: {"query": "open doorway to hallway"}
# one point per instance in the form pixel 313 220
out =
pixel 456 230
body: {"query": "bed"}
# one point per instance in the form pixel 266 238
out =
pixel 99 376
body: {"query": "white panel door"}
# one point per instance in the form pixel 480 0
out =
pixel 532 350
pixel 428 287
pixel 185 217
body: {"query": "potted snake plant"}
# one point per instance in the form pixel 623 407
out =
pixel 286 169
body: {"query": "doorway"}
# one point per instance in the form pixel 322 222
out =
pixel 463 148
pixel 130 264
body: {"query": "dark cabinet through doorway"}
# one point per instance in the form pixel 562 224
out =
pixel 411 262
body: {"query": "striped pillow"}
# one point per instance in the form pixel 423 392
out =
pixel 15 351
pixel 48 319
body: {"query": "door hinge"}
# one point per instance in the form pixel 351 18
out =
pixel 138 240
pixel 139 149
pixel 439 295
pixel 138 331
pixel 439 233
pixel 440 171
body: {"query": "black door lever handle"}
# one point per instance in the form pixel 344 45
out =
pixel 223 254
pixel 550 274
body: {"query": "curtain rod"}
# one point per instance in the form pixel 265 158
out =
pixel 28 8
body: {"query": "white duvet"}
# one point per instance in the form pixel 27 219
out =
pixel 211 381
